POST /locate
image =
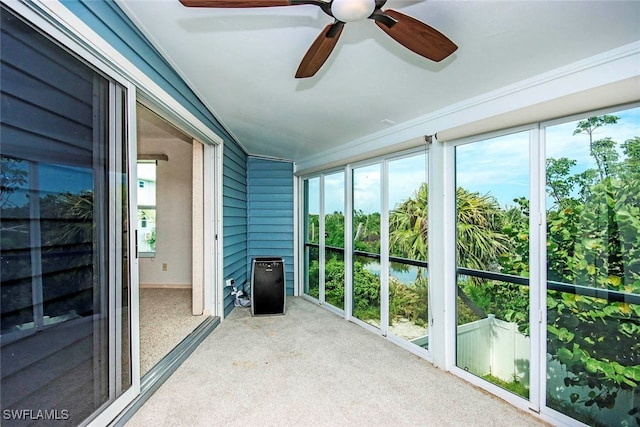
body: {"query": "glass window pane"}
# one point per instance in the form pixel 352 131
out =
pixel 61 221
pixel 312 237
pixel 408 235
pixel 593 241
pixel 492 223
pixel 366 243
pixel 334 239
pixel 146 191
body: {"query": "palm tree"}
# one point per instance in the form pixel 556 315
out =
pixel 408 226
pixel 479 221
pixel 480 240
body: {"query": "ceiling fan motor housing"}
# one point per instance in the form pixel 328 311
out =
pixel 352 10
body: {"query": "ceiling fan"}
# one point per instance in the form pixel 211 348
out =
pixel 406 30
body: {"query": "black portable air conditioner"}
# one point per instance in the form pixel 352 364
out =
pixel 268 290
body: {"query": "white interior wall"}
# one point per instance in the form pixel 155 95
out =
pixel 173 216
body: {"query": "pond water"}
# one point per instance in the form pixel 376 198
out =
pixel 407 276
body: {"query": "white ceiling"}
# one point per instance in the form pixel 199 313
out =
pixel 241 62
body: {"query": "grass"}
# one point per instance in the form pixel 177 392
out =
pixel 514 386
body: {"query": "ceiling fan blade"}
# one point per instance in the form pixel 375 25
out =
pixel 320 50
pixel 248 3
pixel 415 35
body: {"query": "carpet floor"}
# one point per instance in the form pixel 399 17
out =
pixel 165 320
pixel 311 367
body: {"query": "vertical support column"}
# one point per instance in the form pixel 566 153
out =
pixel 197 227
pixel 442 263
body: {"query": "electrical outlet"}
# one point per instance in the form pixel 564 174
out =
pixel 164 266
pixel 230 282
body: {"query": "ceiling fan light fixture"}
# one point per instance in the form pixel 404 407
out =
pixel 352 10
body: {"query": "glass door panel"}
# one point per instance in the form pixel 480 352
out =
pixel 408 215
pixel 492 252
pixel 593 261
pixel 312 237
pixel 367 207
pixel 65 339
pixel 333 209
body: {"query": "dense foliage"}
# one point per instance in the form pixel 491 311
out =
pixel 593 241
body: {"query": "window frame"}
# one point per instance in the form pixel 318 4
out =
pixel 146 207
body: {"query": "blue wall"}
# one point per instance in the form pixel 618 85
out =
pixel 270 212
pixel 234 220
pixel 112 24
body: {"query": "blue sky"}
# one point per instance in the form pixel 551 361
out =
pixel 500 166
pixel 406 174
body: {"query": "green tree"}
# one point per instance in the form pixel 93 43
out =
pixel 598 149
pixel 334 229
pixel 480 240
pixel 560 183
pixel 13 175
pixel 366 231
pixel 594 241
pixel 409 232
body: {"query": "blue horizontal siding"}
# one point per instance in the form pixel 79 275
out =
pixel 234 208
pixel 270 213
pixel 269 221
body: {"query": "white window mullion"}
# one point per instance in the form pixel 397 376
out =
pixel 322 240
pixel 536 275
pixel 348 243
pixel 384 249
pixel 539 294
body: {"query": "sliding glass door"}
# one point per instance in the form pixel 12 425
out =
pixel 367 208
pixel 324 239
pixel 379 274
pixel 66 339
pixel 312 237
pixel 408 214
pixel 492 252
pixel 333 239
pixel 593 268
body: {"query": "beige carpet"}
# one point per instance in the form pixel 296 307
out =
pixel 165 320
pixel 311 367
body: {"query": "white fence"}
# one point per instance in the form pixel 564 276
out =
pixel 493 346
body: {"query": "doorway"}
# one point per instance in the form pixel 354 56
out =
pixel 170 190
